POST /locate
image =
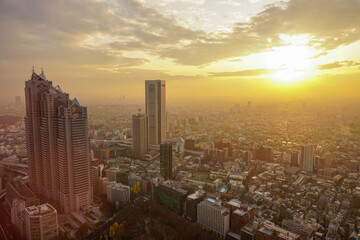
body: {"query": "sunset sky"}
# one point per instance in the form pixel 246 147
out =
pixel 236 50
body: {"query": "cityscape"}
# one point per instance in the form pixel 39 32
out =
pixel 133 119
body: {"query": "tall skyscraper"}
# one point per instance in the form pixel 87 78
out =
pixel 307 158
pixel 140 134
pixel 155 97
pixel 57 144
pixel 166 160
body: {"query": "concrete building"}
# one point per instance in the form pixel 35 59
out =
pixel 140 134
pixel 57 145
pixel 41 222
pixel 155 98
pixel 191 204
pixel 171 196
pixel 212 215
pixel 166 170
pixel 307 158
pixel 269 231
pixel 117 192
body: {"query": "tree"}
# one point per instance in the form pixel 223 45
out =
pixel 121 229
pixel 112 232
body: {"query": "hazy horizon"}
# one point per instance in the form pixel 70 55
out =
pixel 207 51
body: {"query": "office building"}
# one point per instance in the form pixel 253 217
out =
pixel 249 230
pixel 16 189
pixel 140 134
pixel 171 196
pixel 307 158
pixel 191 204
pixel 41 222
pixel 166 161
pixel 294 161
pixel 117 192
pixel 155 97
pixel 57 145
pixel 212 215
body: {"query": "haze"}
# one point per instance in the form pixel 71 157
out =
pixel 218 50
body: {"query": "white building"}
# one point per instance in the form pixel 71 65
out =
pixel 41 222
pixel 212 215
pixel 179 143
pixel 118 192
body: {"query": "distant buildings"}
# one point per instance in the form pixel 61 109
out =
pixel 166 170
pixel 57 145
pixel 212 215
pixel 17 101
pixel 155 97
pixel 41 222
pixel 269 231
pixel 307 158
pixel 140 134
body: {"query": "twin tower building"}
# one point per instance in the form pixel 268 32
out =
pixel 58 144
pixel 150 128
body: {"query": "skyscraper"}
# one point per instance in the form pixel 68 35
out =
pixel 57 144
pixel 155 96
pixel 140 134
pixel 307 158
pixel 166 160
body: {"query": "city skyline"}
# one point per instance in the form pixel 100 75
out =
pixel 248 129
pixel 206 49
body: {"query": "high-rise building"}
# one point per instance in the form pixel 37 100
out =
pixel 41 222
pixel 140 134
pixel 212 215
pixel 155 97
pixel 166 160
pixel 57 144
pixel 307 158
pixel 294 161
pixel 17 101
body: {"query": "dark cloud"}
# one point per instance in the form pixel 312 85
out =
pixel 338 64
pixel 243 73
pixel 87 32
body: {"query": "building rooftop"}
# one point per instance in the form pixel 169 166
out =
pixel 40 210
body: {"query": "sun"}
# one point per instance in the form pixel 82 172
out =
pixel 292 62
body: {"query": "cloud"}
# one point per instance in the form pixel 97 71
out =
pixel 243 73
pixel 330 23
pixel 88 31
pixel 338 64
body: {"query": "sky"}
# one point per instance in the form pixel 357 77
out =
pixel 206 50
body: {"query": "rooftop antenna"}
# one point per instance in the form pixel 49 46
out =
pixel 33 71
pixel 42 71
